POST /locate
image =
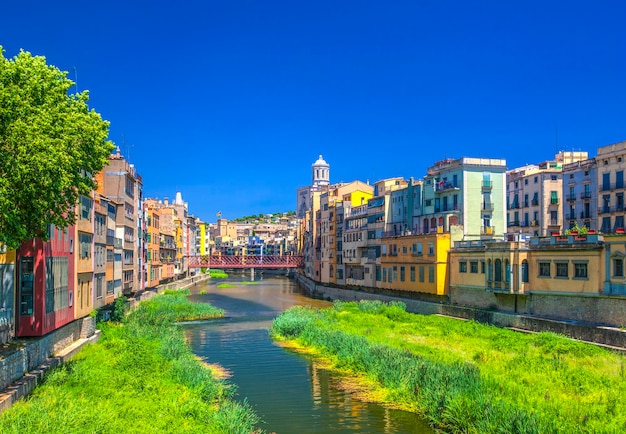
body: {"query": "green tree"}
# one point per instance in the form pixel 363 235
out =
pixel 51 144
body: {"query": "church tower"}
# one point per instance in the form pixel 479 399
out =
pixel 321 173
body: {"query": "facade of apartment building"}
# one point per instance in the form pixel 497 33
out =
pixel 414 263
pixel 611 208
pixel 579 192
pixel 153 238
pixel 84 257
pixel 45 283
pixel 100 208
pixel 120 183
pixel 7 294
pixel 469 192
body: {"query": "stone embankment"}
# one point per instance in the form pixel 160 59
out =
pixel 24 362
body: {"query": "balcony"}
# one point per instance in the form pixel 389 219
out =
pixel 571 198
pixel 513 223
pixel 487 185
pixel 514 205
pixel 585 195
pixel 486 231
pixel 487 207
pixel 442 187
pixel 534 202
pixel 585 215
pixel 534 223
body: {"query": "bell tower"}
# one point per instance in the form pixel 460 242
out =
pixel 321 173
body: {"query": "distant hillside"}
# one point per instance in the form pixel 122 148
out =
pixel 264 218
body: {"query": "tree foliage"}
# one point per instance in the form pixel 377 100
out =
pixel 51 144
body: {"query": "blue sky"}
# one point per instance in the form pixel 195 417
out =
pixel 230 102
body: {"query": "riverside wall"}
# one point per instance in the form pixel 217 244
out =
pixel 562 314
pixel 34 352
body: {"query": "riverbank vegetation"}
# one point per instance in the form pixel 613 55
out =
pixel 218 274
pixel 140 377
pixel 465 376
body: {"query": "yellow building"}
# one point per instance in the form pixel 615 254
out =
pixel 153 241
pixel 415 263
pixel 83 293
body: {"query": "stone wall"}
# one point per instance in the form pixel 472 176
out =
pixel 35 351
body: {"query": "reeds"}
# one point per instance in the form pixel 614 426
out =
pixel 140 377
pixel 464 376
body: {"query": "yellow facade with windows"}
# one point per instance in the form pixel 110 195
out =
pixel 557 265
pixel 415 263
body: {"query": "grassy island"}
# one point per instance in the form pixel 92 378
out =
pixel 465 376
pixel 140 377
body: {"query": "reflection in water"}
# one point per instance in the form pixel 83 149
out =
pixel 286 390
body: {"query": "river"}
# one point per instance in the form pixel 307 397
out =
pixel 286 389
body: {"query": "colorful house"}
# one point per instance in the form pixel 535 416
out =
pixel 45 283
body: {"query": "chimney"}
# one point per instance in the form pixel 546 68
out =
pixel 166 201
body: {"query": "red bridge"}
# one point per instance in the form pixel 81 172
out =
pixel 231 261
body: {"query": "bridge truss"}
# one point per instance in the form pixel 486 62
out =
pixel 232 261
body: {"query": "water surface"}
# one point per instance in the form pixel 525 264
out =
pixel 285 389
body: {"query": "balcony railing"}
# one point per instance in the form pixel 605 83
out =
pixel 445 186
pixel 487 206
pixel 513 223
pixel 585 195
pixel 571 197
pixel 487 185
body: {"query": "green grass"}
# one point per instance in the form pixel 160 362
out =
pixel 140 377
pixel 226 285
pixel 465 376
pixel 218 274
pixel 249 283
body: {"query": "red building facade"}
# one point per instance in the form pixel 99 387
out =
pixel 45 284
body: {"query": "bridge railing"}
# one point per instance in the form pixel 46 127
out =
pixel 251 261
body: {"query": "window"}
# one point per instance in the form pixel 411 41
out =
pixel 562 270
pixel 422 273
pixel 84 241
pixel 554 198
pixel 463 267
pixel 474 267
pixel 395 273
pixel 525 271
pixel 378 273
pixel 402 275
pixel 618 267
pixel 412 273
pixel 26 285
pixel 431 273
pixel 431 248
pixel 498 271
pixel 580 270
pixel 544 269
pixel 85 208
pixel 482 267
pixel 56 283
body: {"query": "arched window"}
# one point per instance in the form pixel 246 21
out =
pixel 525 271
pixel 489 270
pixel 507 271
pixel 498 266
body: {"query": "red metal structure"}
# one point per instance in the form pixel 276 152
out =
pixel 231 261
